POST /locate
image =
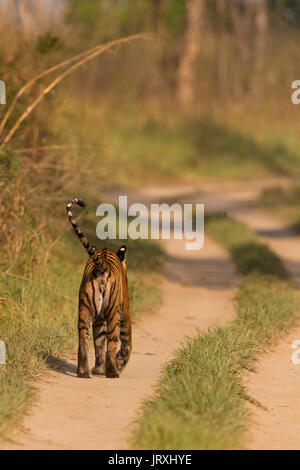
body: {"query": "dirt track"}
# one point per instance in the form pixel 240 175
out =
pixel 198 288
pixel 73 413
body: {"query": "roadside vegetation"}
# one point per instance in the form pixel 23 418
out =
pixel 285 201
pixel 170 148
pixel 200 402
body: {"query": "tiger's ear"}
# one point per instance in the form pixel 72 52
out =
pixel 121 253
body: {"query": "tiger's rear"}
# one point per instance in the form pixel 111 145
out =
pixel 104 306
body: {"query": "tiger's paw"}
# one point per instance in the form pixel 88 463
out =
pixel 112 375
pixel 111 370
pixel 98 370
pixel 84 375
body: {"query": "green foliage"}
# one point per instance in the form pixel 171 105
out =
pixel 226 144
pixel 292 11
pixel 257 257
pixel 175 12
pixel 285 201
pixel 10 164
pixel 249 255
pixel 47 43
pixel 85 11
pixel 128 16
pixel 176 148
pixel 37 321
pixel 106 20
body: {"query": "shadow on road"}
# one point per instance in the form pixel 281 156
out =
pixel 211 273
pixel 278 233
pixel 60 365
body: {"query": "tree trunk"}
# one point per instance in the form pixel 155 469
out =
pixel 186 81
pixel 221 47
pixel 261 24
pixel 157 15
pixel 242 20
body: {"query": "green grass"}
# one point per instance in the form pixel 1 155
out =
pixel 285 201
pixel 203 147
pixel 37 321
pixel 249 255
pixel 39 309
pixel 144 149
pixel 201 402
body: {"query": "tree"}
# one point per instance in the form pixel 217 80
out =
pixel 192 44
pixel 261 24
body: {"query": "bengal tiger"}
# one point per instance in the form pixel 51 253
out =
pixel 104 305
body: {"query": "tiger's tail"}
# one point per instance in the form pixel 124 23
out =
pixel 99 262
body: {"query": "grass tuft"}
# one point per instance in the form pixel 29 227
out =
pixel 285 201
pixel 249 255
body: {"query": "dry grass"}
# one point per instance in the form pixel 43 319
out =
pixel 72 64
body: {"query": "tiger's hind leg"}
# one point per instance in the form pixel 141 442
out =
pixel 113 339
pixel 99 334
pixel 126 342
pixel 84 324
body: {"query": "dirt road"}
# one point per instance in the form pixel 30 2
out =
pixel 198 288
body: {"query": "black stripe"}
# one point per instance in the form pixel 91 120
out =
pixel 102 333
pixel 94 300
pixel 81 302
pixel 114 339
pixel 111 331
pixel 83 328
pixel 88 299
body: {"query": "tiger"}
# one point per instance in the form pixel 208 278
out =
pixel 104 306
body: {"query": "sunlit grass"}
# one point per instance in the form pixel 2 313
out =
pixel 145 148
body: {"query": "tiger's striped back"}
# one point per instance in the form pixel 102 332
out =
pixel 104 305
